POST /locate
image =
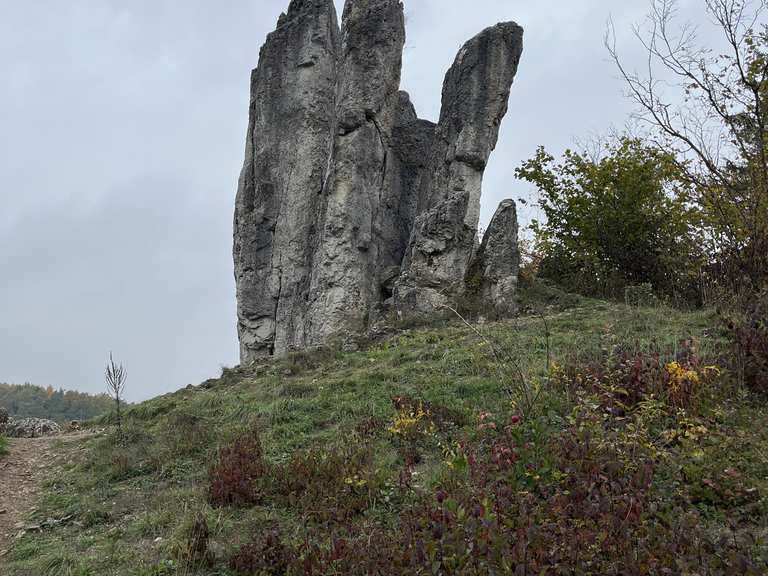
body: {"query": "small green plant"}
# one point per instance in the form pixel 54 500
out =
pixel 411 425
pixel 193 551
pixel 640 295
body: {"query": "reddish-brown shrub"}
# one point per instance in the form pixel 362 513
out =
pixel 514 496
pixel 235 478
pixel 328 484
pixel 590 514
pixel 369 427
pixel 265 554
pixel 623 379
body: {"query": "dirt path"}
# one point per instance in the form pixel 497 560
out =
pixel 28 463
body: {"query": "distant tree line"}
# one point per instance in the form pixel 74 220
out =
pixel 30 401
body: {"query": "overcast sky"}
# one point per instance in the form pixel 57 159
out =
pixel 122 127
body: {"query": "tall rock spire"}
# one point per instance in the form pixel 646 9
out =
pixel 344 280
pixel 475 100
pixel 493 273
pixel 290 133
pixel 345 196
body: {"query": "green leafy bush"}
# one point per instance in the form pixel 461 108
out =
pixel 640 295
pixel 617 220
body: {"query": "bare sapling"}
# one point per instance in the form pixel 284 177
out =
pixel 115 376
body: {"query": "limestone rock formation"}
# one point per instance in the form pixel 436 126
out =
pixel 492 275
pixel 475 99
pixel 411 145
pixel 344 279
pixel 347 201
pixel 282 185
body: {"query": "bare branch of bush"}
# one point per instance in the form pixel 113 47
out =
pixel 719 129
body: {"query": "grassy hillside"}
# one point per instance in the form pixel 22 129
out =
pixel 434 451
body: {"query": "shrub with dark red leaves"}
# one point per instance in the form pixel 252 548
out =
pixel 592 521
pixel 265 554
pixel 370 427
pixel 235 478
pixel 594 515
pixel 504 505
pixel 624 378
pixel 490 525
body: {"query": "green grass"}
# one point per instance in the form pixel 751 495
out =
pixel 130 501
pixel 3 445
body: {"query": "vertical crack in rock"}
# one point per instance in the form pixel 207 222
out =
pixel 343 279
pixel 411 146
pixel 347 201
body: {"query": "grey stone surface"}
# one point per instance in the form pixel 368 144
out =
pixel 291 132
pixel 412 140
pixel 475 100
pixel 344 284
pixel 493 274
pixel 347 201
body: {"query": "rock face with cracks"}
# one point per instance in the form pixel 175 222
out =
pixel 348 203
pixel 493 272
